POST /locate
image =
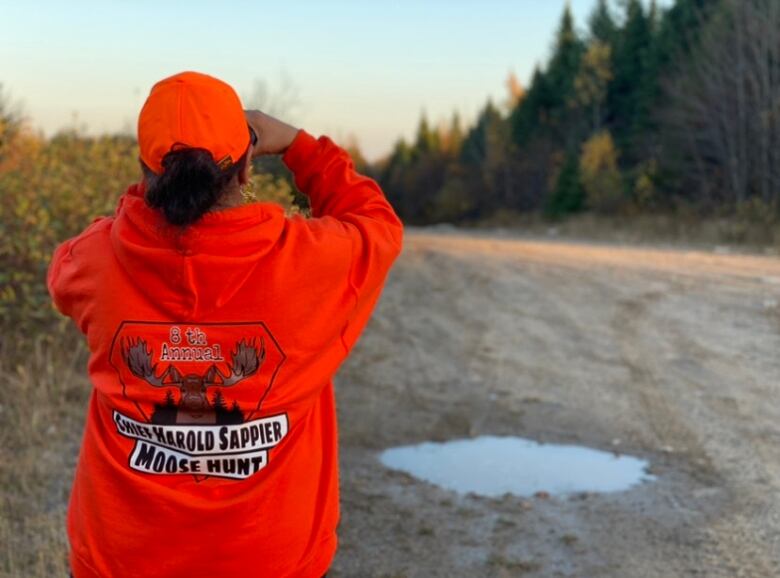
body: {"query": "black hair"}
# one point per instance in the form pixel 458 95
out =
pixel 190 184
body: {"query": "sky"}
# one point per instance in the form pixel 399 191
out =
pixel 354 70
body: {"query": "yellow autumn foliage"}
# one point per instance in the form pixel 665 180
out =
pixel 599 173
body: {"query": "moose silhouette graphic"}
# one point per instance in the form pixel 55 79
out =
pixel 194 407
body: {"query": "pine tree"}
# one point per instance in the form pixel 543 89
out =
pixel 544 108
pixel 392 178
pixel 601 24
pixel 531 115
pixel 427 140
pixel 569 196
pixel 454 138
pixel 653 16
pixel 236 416
pixel 218 402
pixel 474 149
pixel 565 62
pixel 165 413
pixel 631 92
pixel 679 29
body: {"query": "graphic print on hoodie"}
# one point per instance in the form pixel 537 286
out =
pixel 197 425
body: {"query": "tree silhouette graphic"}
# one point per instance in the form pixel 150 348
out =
pixel 165 413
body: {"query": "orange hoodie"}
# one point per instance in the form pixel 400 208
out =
pixel 210 444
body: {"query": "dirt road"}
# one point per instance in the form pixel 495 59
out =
pixel 670 356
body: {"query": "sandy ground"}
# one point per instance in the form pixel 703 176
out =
pixel 671 356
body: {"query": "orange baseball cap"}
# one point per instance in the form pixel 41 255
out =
pixel 192 110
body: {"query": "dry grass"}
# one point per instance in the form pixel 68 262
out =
pixel 42 404
pixel 746 230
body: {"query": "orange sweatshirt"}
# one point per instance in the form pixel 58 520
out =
pixel 210 444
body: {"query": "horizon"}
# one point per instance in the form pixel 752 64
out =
pixel 339 74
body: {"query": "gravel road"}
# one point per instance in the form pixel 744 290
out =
pixel 671 356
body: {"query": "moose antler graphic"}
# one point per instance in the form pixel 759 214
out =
pixel 246 361
pixel 194 407
pixel 139 361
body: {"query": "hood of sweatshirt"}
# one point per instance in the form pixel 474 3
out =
pixel 189 273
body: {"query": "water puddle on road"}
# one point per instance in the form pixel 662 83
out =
pixel 493 466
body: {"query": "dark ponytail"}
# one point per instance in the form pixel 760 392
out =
pixel 191 183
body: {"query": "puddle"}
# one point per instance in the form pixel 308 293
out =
pixel 492 466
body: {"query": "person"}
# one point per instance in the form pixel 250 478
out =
pixel 215 328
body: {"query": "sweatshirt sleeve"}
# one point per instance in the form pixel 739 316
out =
pixel 325 173
pixel 60 269
pixel 67 281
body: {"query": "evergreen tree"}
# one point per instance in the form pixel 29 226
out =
pixel 415 174
pixel 531 115
pixel 392 178
pixel 165 413
pixel 456 199
pixel 631 92
pixel 563 68
pixel 488 155
pixel 544 108
pixel 678 29
pixel 654 16
pixel 427 140
pixel 474 148
pixel 601 24
pixel 498 167
pixel 218 402
pixel 568 196
pixel 454 139
pixel 235 414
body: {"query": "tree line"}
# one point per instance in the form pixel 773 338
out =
pixel 672 111
pixel 648 109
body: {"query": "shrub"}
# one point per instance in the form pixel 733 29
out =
pixel 50 190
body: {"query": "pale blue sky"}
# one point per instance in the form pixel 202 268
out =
pixel 360 68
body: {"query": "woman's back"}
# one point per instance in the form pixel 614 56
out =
pixel 210 447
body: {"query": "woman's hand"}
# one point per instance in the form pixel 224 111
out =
pixel 273 135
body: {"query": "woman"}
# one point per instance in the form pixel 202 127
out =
pixel 215 328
